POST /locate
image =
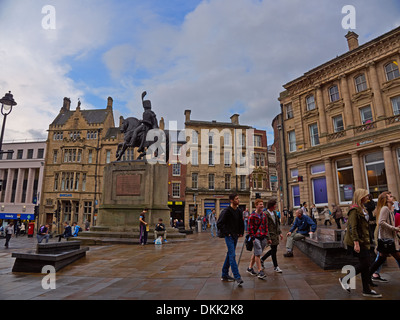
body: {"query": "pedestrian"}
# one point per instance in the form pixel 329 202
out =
pixel 23 230
pixel 67 232
pixel 9 232
pixel 304 208
pixel 275 234
pixel 76 229
pixel 161 230
pixel 258 233
pixel 327 215
pixel 87 225
pixel 143 227
pixel 285 216
pixel 43 233
pixel 337 214
pixel 212 220
pixel 370 206
pixel 314 213
pixel 290 217
pixel 386 229
pixel 305 226
pixel 357 240
pixel 231 226
pixel 246 216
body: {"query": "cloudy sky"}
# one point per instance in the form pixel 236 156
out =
pixel 215 57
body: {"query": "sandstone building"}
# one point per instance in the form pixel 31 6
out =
pixel 339 126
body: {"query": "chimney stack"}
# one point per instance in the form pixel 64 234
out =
pixel 187 115
pixel 109 102
pixel 66 105
pixel 235 119
pixel 352 40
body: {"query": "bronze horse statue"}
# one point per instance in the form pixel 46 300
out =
pixel 128 127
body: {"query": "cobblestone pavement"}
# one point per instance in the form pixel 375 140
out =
pixel 185 270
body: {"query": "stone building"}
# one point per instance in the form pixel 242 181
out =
pixel 80 143
pixel 21 176
pixel 222 158
pixel 340 125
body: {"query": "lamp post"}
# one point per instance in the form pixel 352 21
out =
pixel 7 102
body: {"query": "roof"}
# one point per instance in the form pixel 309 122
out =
pixel 93 116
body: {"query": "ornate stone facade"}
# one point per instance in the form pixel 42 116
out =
pixel 340 125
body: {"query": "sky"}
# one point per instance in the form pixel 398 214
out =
pixel 214 57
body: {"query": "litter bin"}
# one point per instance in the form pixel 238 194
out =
pixel 31 229
pixel 199 226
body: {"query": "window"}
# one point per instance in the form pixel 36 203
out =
pixel 257 141
pixel 366 115
pixel 195 138
pixel 227 159
pixel 176 150
pixel 396 105
pixel 176 190
pixel 292 141
pixel 195 158
pixel 90 156
pixel 310 101
pixel 242 182
pixel 314 135
pixel 227 181
pixel 345 178
pixel 210 158
pixel 317 168
pixel 289 111
pixel 376 173
pixel 338 123
pixel 30 154
pixel 176 169
pixel 211 181
pixel 10 154
pixel 392 71
pixel 56 182
pixel 210 138
pixel 361 83
pixel 55 152
pixel 19 154
pixel 40 153
pixel 58 135
pixel 296 196
pixel 227 138
pixel 334 93
pixel 72 155
pixel 294 173
pixel 195 180
pixel 92 134
pixel 87 207
pixel 108 156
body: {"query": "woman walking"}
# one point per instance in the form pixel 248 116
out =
pixel 358 241
pixel 386 229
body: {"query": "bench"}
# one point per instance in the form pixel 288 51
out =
pixel 326 249
pixel 58 255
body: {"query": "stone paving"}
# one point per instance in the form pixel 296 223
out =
pixel 184 270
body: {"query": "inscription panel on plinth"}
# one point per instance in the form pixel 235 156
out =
pixel 128 185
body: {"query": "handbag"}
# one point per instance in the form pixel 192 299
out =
pixel 386 245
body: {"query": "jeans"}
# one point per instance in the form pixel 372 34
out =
pixel 272 253
pixel 230 259
pixel 213 227
pixel 40 237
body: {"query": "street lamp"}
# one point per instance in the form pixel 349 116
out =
pixel 7 102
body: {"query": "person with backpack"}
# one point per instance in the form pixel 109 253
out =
pixel 43 233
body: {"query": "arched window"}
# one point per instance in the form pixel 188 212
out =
pixel 361 83
pixel 392 71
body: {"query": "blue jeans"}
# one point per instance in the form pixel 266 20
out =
pixel 213 227
pixel 230 260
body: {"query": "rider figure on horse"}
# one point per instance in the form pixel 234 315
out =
pixel 149 122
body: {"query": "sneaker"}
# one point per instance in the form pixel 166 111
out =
pixel 278 270
pixel 261 275
pixel 227 278
pixel 345 286
pixel 251 271
pixel 379 279
pixel 239 282
pixel 372 294
pixel 288 254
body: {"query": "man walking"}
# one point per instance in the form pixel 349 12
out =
pixel 302 223
pixel 9 232
pixel 231 227
pixel 212 219
pixel 258 231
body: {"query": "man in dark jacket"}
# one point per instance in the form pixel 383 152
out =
pixel 231 226
pixel 303 223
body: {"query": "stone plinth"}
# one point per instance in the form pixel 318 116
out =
pixel 128 188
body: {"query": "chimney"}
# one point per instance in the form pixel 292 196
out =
pixel 121 119
pixel 187 115
pixel 352 40
pixel 235 119
pixel 66 105
pixel 109 102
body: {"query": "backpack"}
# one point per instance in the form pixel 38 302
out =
pixel 41 230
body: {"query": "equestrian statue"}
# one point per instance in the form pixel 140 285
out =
pixel 135 133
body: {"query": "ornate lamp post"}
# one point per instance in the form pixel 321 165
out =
pixel 7 102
